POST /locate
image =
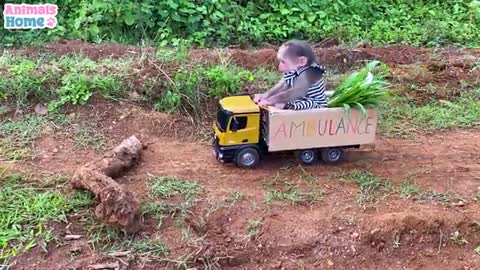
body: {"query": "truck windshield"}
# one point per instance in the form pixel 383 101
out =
pixel 222 119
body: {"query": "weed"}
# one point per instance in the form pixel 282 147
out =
pixel 102 237
pixel 401 117
pixel 87 137
pixel 457 238
pixel 292 195
pixel 16 136
pixel 165 187
pixel 254 229
pixel 396 242
pixel 408 189
pixel 234 197
pixel 150 248
pixel 370 186
pixel 25 212
pixel 439 197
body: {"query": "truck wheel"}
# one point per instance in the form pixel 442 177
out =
pixel 332 155
pixel 307 156
pixel 247 158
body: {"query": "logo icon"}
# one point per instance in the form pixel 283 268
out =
pixel 24 16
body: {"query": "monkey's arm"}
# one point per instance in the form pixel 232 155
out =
pixel 298 90
pixel 277 88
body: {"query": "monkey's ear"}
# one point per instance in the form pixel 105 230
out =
pixel 302 60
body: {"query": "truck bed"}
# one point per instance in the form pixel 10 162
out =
pixel 318 128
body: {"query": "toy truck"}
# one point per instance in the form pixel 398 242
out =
pixel 245 132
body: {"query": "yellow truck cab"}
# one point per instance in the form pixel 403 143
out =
pixel 244 132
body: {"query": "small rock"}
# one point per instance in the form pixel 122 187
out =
pixel 355 235
pixel 374 231
pixel 55 150
pixel 459 204
pixel 330 263
pixel 259 246
pixel 40 109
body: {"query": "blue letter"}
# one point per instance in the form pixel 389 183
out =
pixel 19 22
pixel 9 21
pixel 41 22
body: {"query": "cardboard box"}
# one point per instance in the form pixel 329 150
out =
pixel 318 128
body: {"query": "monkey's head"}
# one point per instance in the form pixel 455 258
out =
pixel 295 54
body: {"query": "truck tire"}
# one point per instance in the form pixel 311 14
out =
pixel 247 158
pixel 307 156
pixel 332 155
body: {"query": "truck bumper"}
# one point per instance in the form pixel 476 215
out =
pixel 224 154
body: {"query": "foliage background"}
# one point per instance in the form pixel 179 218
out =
pixel 222 22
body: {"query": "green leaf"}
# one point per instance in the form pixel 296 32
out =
pixel 129 18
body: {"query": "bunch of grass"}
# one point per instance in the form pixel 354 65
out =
pixel 367 88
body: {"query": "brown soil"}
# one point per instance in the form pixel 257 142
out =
pixel 333 233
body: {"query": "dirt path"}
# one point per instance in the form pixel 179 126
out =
pixel 334 233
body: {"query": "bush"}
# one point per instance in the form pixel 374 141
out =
pixel 220 22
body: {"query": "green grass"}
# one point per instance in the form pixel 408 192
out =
pixel 254 228
pixel 287 186
pixel 87 137
pixel 292 195
pixel 371 186
pixel 401 117
pixel 26 211
pixel 150 248
pixel 165 187
pixel 18 135
pixel 438 197
pixel 408 189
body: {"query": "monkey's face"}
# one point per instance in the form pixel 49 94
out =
pixel 288 63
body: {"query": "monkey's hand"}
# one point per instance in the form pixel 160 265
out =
pixel 257 98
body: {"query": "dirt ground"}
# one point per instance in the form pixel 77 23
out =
pixel 333 233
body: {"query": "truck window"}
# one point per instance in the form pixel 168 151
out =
pixel 238 123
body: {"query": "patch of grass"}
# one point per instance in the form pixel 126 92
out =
pixel 401 117
pixel 439 197
pixel 26 210
pixel 254 228
pixel 165 187
pixel 101 237
pixel 371 186
pixel 17 135
pixel 86 137
pixel 161 210
pixel 282 188
pixel 292 195
pixel 408 189
pixel 234 197
pixel 150 248
pixel 457 238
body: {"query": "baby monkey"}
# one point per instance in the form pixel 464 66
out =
pixel 302 86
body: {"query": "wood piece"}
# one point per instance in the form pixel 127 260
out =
pixel 72 237
pixel 114 265
pixel 117 206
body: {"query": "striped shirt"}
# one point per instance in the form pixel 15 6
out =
pixel 315 97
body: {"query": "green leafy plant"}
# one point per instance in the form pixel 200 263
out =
pixel 76 89
pixel 362 89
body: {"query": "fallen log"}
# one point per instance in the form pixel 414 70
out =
pixel 116 205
